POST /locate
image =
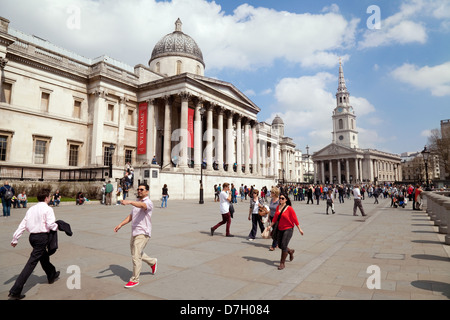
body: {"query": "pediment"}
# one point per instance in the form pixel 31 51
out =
pixel 227 89
pixel 333 150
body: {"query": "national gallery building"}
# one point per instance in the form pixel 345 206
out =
pixel 343 161
pixel 65 117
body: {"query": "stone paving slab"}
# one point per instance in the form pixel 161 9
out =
pixel 331 259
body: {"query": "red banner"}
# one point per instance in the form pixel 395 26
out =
pixel 191 128
pixel 142 129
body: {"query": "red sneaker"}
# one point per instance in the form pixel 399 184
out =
pixel 154 267
pixel 131 284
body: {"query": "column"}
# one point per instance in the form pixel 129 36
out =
pixel 331 171
pixel 361 161
pixel 167 159
pixel 322 169
pixel 209 138
pixel 339 181
pixel 97 127
pixel 347 171
pixel 371 167
pixel 198 135
pixel 230 142
pixel 315 172
pixel 247 146
pixel 239 145
pixel 120 151
pixel 183 161
pixel 219 152
pixel 255 160
pixel 150 129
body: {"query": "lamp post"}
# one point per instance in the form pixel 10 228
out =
pixel 426 155
pixel 111 150
pixel 202 112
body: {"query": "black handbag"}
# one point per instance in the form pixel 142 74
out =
pixel 231 209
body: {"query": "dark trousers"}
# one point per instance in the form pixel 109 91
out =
pixel 39 243
pixel 256 219
pixel 357 204
pixel 226 218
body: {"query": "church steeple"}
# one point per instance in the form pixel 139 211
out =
pixel 344 119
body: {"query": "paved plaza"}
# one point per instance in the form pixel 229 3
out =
pixel 333 260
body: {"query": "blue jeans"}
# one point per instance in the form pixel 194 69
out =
pixel 6 207
pixel 164 201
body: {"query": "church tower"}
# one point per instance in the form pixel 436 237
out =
pixel 344 119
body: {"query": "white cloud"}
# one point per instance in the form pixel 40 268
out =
pixel 305 104
pixel 436 78
pixel 247 39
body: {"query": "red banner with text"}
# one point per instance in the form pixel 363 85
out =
pixel 191 128
pixel 142 129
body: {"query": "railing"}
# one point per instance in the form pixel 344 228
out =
pixel 438 208
pixel 24 173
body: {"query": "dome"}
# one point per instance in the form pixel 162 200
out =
pixel 177 43
pixel 277 121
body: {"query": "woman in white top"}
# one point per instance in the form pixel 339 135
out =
pixel 225 199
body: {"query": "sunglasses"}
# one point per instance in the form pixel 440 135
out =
pixel 141 189
pixel 282 198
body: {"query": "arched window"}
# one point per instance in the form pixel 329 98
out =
pixel 341 124
pixel 179 63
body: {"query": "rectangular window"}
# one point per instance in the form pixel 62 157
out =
pixel 6 92
pixel 110 114
pixel 77 109
pixel 128 156
pixel 40 149
pixel 3 146
pixel 45 100
pixel 107 156
pixel 73 155
pixel 130 118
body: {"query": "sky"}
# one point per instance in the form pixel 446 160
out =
pixel 283 55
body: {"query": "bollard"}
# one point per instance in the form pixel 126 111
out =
pixel 445 219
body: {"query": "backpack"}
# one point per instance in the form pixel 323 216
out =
pixel 8 194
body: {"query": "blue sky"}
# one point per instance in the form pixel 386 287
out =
pixel 284 55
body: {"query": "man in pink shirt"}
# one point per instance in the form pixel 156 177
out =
pixel 38 221
pixel 141 231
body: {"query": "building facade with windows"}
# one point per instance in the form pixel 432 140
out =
pixel 343 161
pixel 64 115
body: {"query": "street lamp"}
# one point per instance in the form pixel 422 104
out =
pixel 202 112
pixel 111 150
pixel 426 155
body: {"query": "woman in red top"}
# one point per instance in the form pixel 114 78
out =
pixel 286 225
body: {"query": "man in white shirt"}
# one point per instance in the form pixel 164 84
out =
pixel 225 199
pixel 357 201
pixel 141 231
pixel 38 221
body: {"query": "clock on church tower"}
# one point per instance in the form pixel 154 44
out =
pixel 344 119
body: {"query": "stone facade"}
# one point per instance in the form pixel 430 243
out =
pixel 62 111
